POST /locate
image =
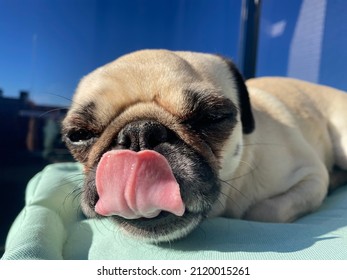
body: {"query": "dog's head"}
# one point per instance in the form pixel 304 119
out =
pixel 152 130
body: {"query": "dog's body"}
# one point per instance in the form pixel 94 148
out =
pixel 300 136
pixel 213 146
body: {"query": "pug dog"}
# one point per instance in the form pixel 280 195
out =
pixel 168 139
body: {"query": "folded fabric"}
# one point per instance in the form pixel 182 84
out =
pixel 51 226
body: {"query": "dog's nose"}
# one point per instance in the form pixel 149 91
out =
pixel 142 135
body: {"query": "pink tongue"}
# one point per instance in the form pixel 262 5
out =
pixel 134 185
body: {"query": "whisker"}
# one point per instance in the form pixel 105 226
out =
pixel 52 110
pixel 74 102
pixel 76 182
pixel 248 164
pixel 230 184
pixel 231 198
pixel 234 188
pixel 262 144
pixel 62 97
pixel 72 179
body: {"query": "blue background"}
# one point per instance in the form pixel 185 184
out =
pixel 48 45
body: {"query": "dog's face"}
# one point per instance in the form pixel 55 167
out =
pixel 152 130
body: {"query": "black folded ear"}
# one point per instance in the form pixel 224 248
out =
pixel 247 119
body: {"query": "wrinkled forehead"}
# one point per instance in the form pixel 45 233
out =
pixel 111 93
pixel 151 77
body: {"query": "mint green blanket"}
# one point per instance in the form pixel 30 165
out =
pixel 51 226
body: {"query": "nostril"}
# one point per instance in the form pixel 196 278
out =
pixel 142 135
pixel 124 140
pixel 155 136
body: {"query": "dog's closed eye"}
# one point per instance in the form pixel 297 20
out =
pixel 208 109
pixel 80 137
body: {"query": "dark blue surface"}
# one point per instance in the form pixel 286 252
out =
pixel 48 45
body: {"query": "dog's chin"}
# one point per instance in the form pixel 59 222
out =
pixel 165 227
